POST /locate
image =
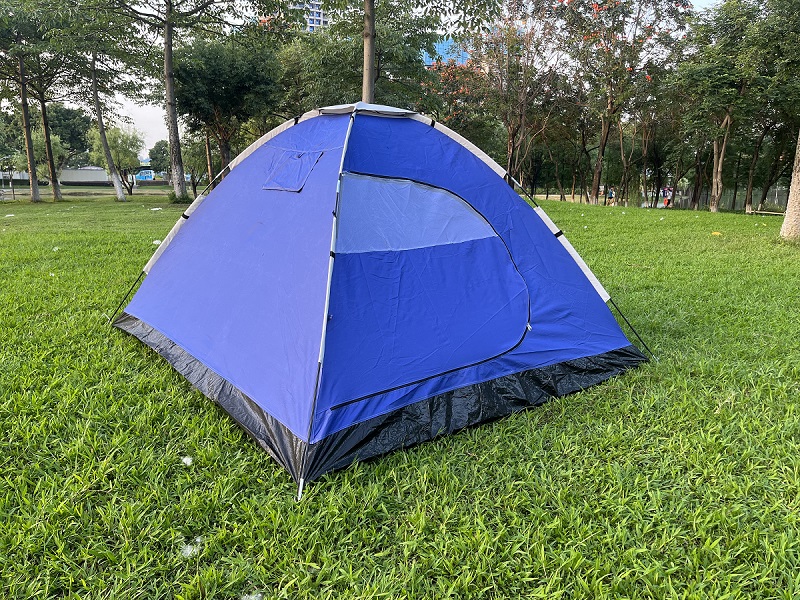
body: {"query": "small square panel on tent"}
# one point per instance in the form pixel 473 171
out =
pixel 288 170
pixel 403 291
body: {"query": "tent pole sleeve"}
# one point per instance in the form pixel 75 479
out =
pixel 334 234
pixel 125 297
pixel 636 333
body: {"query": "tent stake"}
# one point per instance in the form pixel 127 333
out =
pixel 125 297
pixel 633 329
pixel 300 489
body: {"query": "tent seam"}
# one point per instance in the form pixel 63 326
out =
pixel 334 231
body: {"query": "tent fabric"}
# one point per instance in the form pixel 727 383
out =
pixel 242 287
pixel 419 422
pixel 288 169
pixel 379 214
pixel 361 281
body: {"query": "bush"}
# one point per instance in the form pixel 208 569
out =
pixel 174 199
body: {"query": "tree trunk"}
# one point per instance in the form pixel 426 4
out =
pixel 126 182
pixel 175 157
pixel 48 150
pixel 748 199
pixel 736 181
pixel 698 182
pixel 775 173
pixel 224 151
pixel 119 191
pixel 514 135
pixel 572 193
pixel 368 78
pixel 645 149
pixel 622 188
pixel 719 160
pixel 209 163
pixel 605 129
pixel 680 172
pixel 584 190
pixel 658 168
pixel 26 126
pixel 716 177
pixel 558 176
pixel 790 230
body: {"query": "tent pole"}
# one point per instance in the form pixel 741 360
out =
pixel 211 183
pixel 125 297
pixel 334 235
pixel 524 191
pixel 636 333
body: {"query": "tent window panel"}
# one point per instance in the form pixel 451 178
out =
pixel 288 170
pixel 385 214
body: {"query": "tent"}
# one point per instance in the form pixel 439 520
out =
pixel 363 279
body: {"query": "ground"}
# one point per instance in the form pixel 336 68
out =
pixel 678 479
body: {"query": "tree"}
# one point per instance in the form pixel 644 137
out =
pixel 718 78
pixel 16 27
pixel 58 150
pixel 46 70
pixel 167 18
pixel 98 49
pixel 463 105
pixel 222 82
pixel 11 141
pixel 159 157
pixel 518 55
pixel 613 44
pixel 323 67
pixel 72 126
pixel 196 160
pixel 466 14
pixel 790 230
pixel 124 146
pixel 782 28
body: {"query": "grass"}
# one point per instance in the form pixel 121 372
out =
pixel 79 192
pixel 678 480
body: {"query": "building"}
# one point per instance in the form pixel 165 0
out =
pixel 314 15
pixel 91 175
pixel 446 50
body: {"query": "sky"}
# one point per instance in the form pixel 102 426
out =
pixel 149 119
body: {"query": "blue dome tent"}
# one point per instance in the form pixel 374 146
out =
pixel 363 279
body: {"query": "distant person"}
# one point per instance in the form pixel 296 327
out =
pixel 610 196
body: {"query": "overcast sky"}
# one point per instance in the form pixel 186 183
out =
pixel 149 120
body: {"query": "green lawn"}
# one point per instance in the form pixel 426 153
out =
pixel 680 479
pixel 81 192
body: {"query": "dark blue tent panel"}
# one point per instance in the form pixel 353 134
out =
pixel 362 281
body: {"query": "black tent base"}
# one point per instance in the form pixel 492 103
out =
pixel 407 426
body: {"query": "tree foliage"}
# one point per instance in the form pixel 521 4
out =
pixel 125 145
pixel 220 83
pixel 159 156
pixel 324 67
